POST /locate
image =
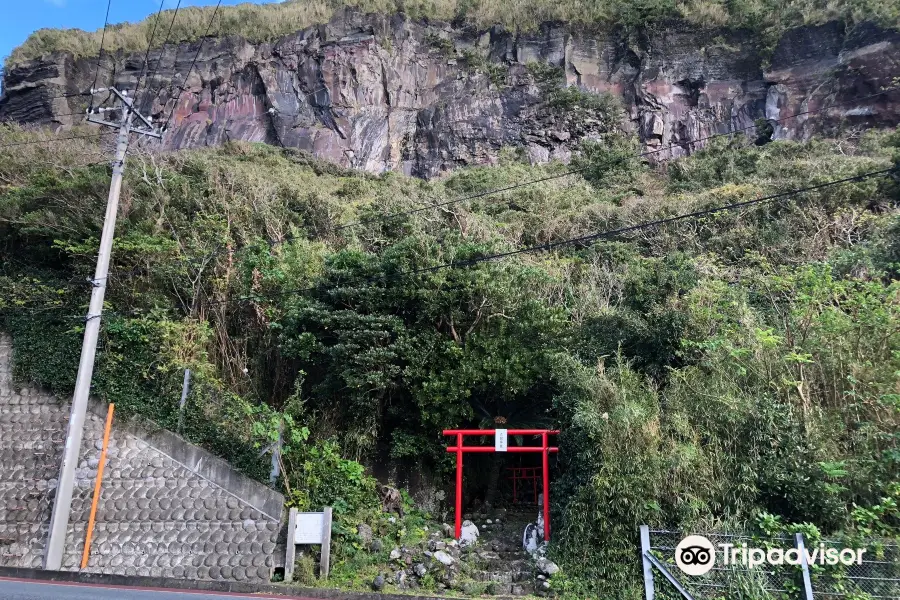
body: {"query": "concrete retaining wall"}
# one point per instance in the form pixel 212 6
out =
pixel 167 507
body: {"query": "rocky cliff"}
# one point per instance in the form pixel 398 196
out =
pixel 387 93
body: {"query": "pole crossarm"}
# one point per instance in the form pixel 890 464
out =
pixel 62 502
pixel 128 101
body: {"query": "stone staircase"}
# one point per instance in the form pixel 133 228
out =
pixel 502 561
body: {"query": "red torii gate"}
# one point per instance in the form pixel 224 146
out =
pixel 500 445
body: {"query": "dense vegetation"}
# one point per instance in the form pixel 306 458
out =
pixel 710 373
pixel 267 22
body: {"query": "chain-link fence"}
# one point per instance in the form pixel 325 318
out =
pixel 875 577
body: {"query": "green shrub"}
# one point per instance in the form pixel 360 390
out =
pixel 609 160
pixel 441 44
pixel 321 477
pixel 305 569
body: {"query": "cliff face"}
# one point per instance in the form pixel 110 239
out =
pixel 386 93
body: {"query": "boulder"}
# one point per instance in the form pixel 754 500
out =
pixel 420 570
pixel 547 567
pixel 395 554
pixel 365 533
pixel 378 583
pixel 445 559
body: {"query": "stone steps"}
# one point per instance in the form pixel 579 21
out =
pixel 503 566
pixel 511 589
pixel 505 577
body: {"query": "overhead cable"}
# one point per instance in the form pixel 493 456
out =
pixel 581 239
pixel 611 163
pixel 193 63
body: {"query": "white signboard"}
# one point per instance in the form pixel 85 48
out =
pixel 500 440
pixel 310 528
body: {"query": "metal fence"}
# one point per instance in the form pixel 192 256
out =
pixel 877 577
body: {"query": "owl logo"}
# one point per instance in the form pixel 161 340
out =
pixel 695 555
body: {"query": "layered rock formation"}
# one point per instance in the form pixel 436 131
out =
pixel 386 93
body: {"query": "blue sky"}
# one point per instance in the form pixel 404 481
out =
pixel 21 17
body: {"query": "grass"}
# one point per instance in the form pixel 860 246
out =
pixel 267 22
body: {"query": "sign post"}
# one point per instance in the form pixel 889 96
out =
pixel 308 528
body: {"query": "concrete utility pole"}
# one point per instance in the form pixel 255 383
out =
pixel 62 502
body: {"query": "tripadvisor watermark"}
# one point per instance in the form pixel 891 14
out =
pixel 696 555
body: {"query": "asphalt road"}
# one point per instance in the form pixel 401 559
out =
pixel 28 590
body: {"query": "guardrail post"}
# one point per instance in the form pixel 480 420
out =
pixel 649 590
pixel 807 584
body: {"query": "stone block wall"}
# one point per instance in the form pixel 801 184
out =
pixel 32 434
pixel 167 508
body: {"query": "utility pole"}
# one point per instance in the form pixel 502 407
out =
pixel 62 502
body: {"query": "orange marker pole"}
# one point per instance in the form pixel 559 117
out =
pixel 90 527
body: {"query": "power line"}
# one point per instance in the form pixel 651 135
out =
pixel 51 116
pixel 396 215
pixel 611 163
pixel 392 216
pixel 193 63
pixel 72 95
pixel 149 47
pixel 58 165
pixel 100 54
pixel 585 238
pixel 60 139
pixel 162 51
pixel 575 240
